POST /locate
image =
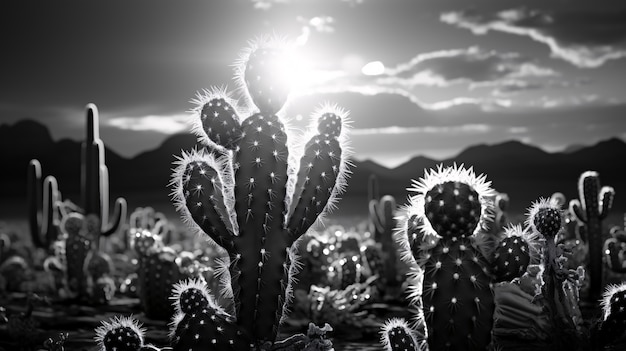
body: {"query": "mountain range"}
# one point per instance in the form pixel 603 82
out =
pixel 522 171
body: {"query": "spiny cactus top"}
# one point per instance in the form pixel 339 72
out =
pixel 120 334
pixel 614 308
pixel 259 192
pixel 514 252
pixel 396 335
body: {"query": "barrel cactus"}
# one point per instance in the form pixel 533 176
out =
pixel 257 193
pixel 121 334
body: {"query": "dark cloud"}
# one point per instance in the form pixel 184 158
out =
pixel 586 39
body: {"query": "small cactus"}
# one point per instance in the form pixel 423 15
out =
pixel 200 323
pixel 592 208
pixel 396 335
pixel 615 250
pixel 513 254
pixel 121 334
pixel 613 323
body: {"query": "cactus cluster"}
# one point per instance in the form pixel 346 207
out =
pixel 255 195
pixel 443 234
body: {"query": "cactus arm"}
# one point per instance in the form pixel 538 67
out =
pixel 43 208
pixel 50 218
pixel 373 188
pixel 34 200
pixel 576 208
pixel 318 177
pixel 376 225
pixel 607 194
pixel 119 215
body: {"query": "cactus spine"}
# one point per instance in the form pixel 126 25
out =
pixel 95 178
pixel 253 201
pixel 43 209
pixel 593 207
pixel 382 224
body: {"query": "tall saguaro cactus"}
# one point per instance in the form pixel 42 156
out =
pixel 95 178
pixel 256 199
pixel 43 214
pixel 593 207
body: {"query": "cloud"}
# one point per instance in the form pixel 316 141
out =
pixel 320 24
pixel 471 65
pixel 268 4
pixel 585 39
pixel 163 124
pixel 466 128
pixel 508 87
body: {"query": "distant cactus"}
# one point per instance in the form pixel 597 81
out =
pixel 593 207
pixel 159 268
pixel 615 250
pixel 43 207
pixel 86 268
pixel 121 334
pixel 501 218
pixel 439 233
pixel 256 200
pixel 382 225
pixel 396 335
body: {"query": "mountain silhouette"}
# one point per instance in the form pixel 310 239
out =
pixel 523 171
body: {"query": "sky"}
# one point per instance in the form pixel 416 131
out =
pixel 419 77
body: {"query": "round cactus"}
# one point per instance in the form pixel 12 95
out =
pixel 200 323
pixel 120 334
pixel 513 254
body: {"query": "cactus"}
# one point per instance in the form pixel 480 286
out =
pixel 559 292
pixel 382 224
pixel 514 252
pixel 43 209
pixel 159 269
pixel 615 250
pixel 438 233
pixel 253 201
pixel 200 323
pixel 121 334
pixel 396 335
pixel 95 178
pixel 501 218
pixel 593 206
pixel 613 322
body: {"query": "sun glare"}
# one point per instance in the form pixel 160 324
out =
pixel 374 68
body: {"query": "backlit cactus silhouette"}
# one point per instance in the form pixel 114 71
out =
pixel 121 334
pixel 258 193
pixel 43 206
pixel 592 208
pixel 441 232
pixel 613 322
